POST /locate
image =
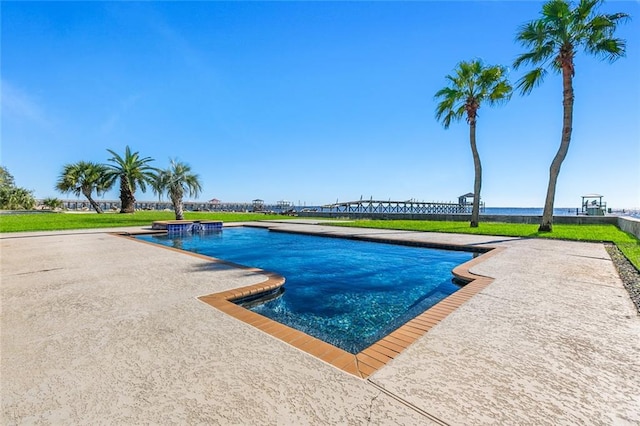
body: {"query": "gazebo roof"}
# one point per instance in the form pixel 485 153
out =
pixel 592 196
pixel 468 194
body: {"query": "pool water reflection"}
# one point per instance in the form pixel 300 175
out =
pixel 348 293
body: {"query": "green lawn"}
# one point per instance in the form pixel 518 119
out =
pixel 59 221
pixel 627 243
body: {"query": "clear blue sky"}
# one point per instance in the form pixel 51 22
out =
pixel 307 101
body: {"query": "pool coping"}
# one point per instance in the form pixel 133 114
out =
pixel 376 356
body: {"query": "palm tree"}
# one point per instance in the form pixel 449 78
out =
pixel 176 181
pixel 553 41
pixel 84 177
pixel 52 203
pixel 16 198
pixel 472 84
pixel 133 171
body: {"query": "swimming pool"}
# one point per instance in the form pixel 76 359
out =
pixel 348 293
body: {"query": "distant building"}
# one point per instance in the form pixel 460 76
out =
pixel 463 200
pixel 592 205
pixel 258 205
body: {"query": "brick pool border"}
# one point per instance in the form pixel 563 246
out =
pixel 374 357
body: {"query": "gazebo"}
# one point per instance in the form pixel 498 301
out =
pixel 463 200
pixel 592 205
pixel 258 205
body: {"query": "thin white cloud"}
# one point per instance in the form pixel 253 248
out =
pixel 180 46
pixel 17 105
pixel 110 123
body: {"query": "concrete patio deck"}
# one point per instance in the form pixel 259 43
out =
pixel 99 329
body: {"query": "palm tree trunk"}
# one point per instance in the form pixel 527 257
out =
pixel 178 207
pixel 93 203
pixel 126 197
pixel 554 170
pixel 477 183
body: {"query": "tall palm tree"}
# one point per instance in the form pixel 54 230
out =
pixel 176 181
pixel 553 41
pixel 472 85
pixel 84 177
pixel 133 171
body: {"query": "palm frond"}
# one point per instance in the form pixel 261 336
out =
pixel 599 40
pixel 585 8
pixel 542 54
pixel 560 32
pixel 531 80
pixel 450 116
pixel 556 11
pixel 531 33
pixel 114 159
pixel 610 49
pixel 176 180
pixel 619 17
pixel 446 110
pixel 525 58
pixel 501 93
pixel 83 176
pixel 473 84
pixel 600 24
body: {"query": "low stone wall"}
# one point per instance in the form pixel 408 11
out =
pixel 630 225
pixel 594 220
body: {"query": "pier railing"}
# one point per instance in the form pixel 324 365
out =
pixel 361 207
pixel 107 205
pixel 397 207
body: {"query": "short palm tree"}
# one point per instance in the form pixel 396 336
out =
pixel 553 41
pixel 133 171
pixel 176 181
pixel 472 85
pixel 16 198
pixel 52 203
pixel 84 178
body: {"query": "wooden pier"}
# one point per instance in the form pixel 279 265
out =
pixel 360 208
pixel 206 206
pixel 388 207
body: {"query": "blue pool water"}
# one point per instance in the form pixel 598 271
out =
pixel 345 292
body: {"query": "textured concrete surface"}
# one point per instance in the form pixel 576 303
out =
pixel 99 329
pixel 553 340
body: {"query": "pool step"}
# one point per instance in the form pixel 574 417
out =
pixel 184 226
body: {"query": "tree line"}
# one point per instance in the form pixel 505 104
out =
pixel 130 171
pixel 13 197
